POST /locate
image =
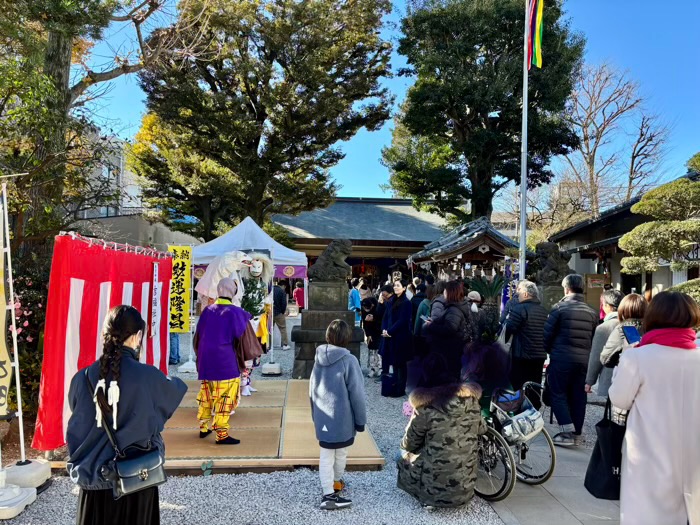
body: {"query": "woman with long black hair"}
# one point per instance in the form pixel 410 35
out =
pixel 135 400
pixel 397 337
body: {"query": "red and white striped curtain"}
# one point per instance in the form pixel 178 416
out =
pixel 87 279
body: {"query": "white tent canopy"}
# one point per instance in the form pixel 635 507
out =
pixel 245 237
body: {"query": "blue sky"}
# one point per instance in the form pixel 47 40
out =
pixel 658 47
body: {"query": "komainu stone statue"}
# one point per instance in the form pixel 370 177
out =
pixel 331 265
pixel 552 264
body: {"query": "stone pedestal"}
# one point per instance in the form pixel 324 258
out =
pixel 550 295
pixel 327 301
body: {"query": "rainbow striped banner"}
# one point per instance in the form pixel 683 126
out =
pixel 536 26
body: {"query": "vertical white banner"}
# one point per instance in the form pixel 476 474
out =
pixel 155 302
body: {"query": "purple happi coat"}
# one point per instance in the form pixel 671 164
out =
pixel 217 330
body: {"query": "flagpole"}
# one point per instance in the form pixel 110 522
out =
pixel 523 149
pixel 15 362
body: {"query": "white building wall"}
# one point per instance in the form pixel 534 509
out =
pixel 580 265
pixel 616 271
pixel 131 198
pixel 662 279
pixel 679 277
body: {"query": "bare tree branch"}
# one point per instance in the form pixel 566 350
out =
pixel 647 153
pixel 602 106
pixel 149 49
pixel 130 14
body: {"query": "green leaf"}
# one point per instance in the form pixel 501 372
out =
pixel 249 126
pixel 457 137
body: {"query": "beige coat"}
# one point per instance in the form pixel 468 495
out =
pixel 660 386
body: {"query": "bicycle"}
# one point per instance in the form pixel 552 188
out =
pixel 513 447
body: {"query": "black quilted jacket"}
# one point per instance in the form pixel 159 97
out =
pixel 569 330
pixel 525 323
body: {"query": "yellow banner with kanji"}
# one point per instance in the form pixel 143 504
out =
pixel 180 292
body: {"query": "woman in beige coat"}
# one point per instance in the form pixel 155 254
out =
pixel 658 383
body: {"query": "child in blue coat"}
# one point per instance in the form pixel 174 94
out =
pixel 337 393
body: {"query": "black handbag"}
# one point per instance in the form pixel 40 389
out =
pixel 134 468
pixel 603 473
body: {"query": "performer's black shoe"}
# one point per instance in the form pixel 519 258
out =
pixel 202 435
pixel 228 441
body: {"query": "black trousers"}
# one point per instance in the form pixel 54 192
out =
pixel 98 507
pixel 567 383
pixel 524 370
pixel 400 375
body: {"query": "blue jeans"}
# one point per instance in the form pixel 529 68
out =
pixel 567 383
pixel 174 349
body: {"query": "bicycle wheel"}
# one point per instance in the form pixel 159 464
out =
pixel 495 475
pixel 536 459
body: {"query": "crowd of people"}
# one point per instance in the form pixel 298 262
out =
pixel 652 385
pixel 437 327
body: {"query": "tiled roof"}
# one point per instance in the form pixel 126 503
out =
pixel 461 237
pixel 365 219
pixel 611 212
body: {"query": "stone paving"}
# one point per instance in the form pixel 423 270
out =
pixel 563 500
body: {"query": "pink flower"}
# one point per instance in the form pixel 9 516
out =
pixel 19 331
pixel 40 305
pixel 26 313
pixel 29 339
pixel 29 283
pixel 26 324
pixel 18 304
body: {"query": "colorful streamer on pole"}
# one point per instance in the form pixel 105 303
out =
pixel 536 27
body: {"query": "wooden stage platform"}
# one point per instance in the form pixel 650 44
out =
pixel 275 429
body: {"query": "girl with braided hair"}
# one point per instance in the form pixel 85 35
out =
pixel 137 400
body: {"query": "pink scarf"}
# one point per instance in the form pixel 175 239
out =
pixel 675 337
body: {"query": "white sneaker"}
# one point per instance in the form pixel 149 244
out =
pixel 251 389
pixel 285 347
pixel 246 391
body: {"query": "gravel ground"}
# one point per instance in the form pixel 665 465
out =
pixel 293 497
pixel 285 497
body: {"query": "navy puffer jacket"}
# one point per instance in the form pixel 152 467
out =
pixel 569 330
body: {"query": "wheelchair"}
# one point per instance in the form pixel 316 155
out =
pixel 516 444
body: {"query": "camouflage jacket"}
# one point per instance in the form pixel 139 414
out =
pixel 441 439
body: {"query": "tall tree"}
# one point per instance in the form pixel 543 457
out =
pixel 693 163
pixel 26 119
pixel 621 143
pixel 423 168
pixel 68 29
pixel 182 189
pixel 466 56
pixel 673 235
pixel 278 84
